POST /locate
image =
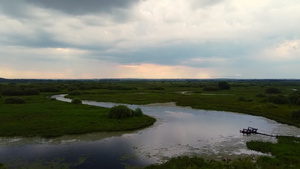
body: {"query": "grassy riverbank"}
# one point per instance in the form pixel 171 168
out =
pixel 249 97
pixel 285 154
pixel 45 117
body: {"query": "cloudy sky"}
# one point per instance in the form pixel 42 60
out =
pixel 58 39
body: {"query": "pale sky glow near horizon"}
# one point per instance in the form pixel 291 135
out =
pixel 194 39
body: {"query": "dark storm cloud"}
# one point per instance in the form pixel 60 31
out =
pixel 80 7
pixel 183 53
pixel 16 8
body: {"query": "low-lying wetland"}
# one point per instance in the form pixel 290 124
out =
pixel 179 130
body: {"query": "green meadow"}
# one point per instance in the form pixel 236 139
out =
pixel 41 116
pixel 249 97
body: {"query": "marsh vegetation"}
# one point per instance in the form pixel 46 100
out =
pixel 27 110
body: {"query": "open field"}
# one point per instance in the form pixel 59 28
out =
pixel 41 116
pixel 249 97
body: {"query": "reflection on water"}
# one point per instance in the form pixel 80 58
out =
pixel 178 131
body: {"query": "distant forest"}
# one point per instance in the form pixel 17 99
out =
pixel 3 80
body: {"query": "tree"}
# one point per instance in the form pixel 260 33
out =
pixel 223 85
pixel 272 90
pixel 295 98
pixel 277 99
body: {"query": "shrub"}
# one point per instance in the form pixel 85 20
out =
pixel 243 99
pixel 12 92
pixel 296 114
pixel 223 85
pixel 156 88
pixel 210 88
pixel 295 98
pixel 278 99
pixel 271 105
pixel 119 112
pixel 137 112
pixel 32 92
pixel 122 111
pixel 14 100
pixel 261 95
pixel 49 89
pixel 75 93
pixel 272 90
pixel 298 102
pixel 76 101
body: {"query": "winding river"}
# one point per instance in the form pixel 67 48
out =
pixel 178 131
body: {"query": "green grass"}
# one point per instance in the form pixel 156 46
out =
pixel 223 100
pixel 186 162
pixel 285 155
pixel 44 117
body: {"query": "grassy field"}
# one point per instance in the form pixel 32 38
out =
pixel 248 97
pixel 45 117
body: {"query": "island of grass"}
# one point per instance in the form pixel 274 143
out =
pixel 44 117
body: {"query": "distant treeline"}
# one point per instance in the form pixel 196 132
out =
pixel 3 80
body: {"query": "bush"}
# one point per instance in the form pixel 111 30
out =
pixel 298 102
pixel 272 90
pixel 138 112
pixel 223 85
pixel 76 101
pixel 156 88
pixel 210 88
pixel 295 98
pixel 261 95
pixel 119 112
pixel 12 92
pixel 243 99
pixel 49 89
pixel 296 114
pixel 122 111
pixel 14 100
pixel 32 92
pixel 271 105
pixel 278 99
pixel 74 93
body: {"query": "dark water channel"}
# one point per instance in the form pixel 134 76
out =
pixel 178 131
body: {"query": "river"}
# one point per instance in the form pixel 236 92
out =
pixel 178 131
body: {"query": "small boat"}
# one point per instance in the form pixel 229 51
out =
pixel 249 130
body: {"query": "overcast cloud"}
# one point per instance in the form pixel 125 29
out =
pixel 149 39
